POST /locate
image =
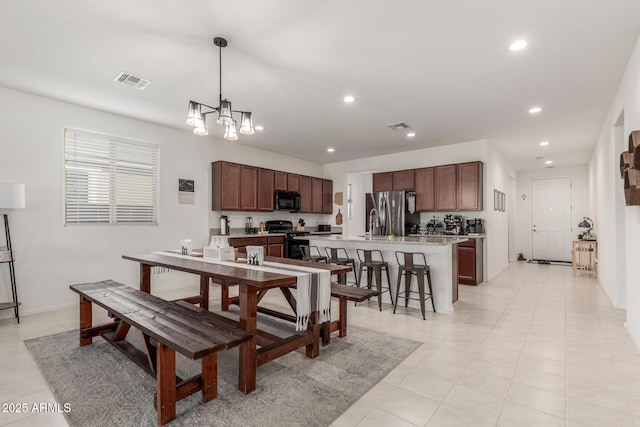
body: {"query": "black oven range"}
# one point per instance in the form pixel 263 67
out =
pixel 291 245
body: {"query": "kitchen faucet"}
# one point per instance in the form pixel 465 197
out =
pixel 373 220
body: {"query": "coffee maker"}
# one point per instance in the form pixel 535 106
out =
pixel 475 226
pixel 453 224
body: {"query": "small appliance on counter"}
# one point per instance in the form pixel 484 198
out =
pixel 475 226
pixel 324 228
pixel 434 226
pixel 248 226
pixel 224 224
pixel 453 224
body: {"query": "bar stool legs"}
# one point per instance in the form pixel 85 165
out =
pixel 366 258
pixel 408 269
pixel 339 256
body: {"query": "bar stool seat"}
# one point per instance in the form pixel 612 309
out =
pixel 374 262
pixel 340 256
pixel 408 268
pixel 312 253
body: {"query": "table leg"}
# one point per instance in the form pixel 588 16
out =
pixel 204 292
pixel 166 384
pixel 209 377
pixel 85 319
pixel 313 349
pixel 145 278
pixel 248 322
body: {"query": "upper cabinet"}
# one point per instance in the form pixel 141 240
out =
pixel 236 187
pixel 383 181
pixel 404 180
pixel 225 185
pixel 266 180
pixel 470 186
pixel 446 189
pixel 305 194
pixel 327 194
pixel 425 189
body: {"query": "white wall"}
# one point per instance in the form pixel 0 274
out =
pixel 580 201
pixel 603 167
pixel 49 256
pixel 496 172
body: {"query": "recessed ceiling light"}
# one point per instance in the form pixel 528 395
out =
pixel 411 134
pixel 331 150
pixel 349 99
pixel 259 127
pixel 548 162
pixel 518 45
pixel 544 143
pixel 535 110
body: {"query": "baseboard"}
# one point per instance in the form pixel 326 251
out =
pixel 633 339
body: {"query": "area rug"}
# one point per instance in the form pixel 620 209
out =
pixel 104 388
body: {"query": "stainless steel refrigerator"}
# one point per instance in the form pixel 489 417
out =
pixel 391 212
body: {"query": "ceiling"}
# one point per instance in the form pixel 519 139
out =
pixel 443 67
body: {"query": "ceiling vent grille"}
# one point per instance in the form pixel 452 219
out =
pixel 132 81
pixel 398 126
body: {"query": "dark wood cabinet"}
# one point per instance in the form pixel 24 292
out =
pixel 293 182
pixel 383 181
pixel 316 195
pixel 225 185
pixel 470 186
pixel 404 180
pixel 280 181
pixel 275 246
pixel 446 188
pixel 327 196
pixel 248 188
pixel 425 189
pixel 305 194
pixel 470 262
pixel 265 189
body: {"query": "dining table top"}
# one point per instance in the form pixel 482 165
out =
pixel 241 275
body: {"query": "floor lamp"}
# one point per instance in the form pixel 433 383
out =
pixel 12 196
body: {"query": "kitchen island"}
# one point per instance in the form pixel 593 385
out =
pixel 441 253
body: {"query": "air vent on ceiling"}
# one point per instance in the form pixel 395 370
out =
pixel 398 126
pixel 132 81
pixel 539 158
pixel 550 167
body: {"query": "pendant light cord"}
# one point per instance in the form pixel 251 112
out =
pixel 220 66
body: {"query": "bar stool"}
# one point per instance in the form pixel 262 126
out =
pixel 312 253
pixel 374 262
pixel 339 256
pixel 408 269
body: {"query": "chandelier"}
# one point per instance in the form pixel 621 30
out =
pixel 197 115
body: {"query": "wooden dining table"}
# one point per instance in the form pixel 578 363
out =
pixel 253 284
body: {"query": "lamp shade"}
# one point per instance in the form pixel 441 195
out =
pixel 246 124
pixel 224 113
pixel 201 127
pixel 230 133
pixel 194 117
pixel 11 196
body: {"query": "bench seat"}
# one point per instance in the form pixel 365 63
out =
pixel 344 294
pixel 167 327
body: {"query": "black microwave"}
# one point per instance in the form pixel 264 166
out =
pixel 286 201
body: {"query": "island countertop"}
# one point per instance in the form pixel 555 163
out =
pixel 388 240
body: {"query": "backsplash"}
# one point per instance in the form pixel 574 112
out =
pixel 237 220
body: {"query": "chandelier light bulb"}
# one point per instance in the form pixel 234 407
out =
pixel 246 124
pixel 230 133
pixel 201 127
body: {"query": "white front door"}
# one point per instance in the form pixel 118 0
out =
pixel 551 219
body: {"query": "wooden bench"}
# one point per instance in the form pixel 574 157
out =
pixel 167 327
pixel 344 294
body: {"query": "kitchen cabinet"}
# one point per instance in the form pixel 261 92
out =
pixel 425 189
pixel 446 188
pixel 293 182
pixel 469 186
pixel 266 183
pixel 383 181
pixel 316 195
pixel 327 196
pixel 225 186
pixel 470 262
pixel 306 205
pixel 404 180
pixel 248 188
pixel 280 181
pixel 275 246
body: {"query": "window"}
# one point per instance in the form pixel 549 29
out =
pixel 109 180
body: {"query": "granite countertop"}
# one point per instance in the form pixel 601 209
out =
pixel 398 240
pixel 464 236
pixel 234 234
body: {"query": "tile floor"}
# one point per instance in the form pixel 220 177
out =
pixel 533 347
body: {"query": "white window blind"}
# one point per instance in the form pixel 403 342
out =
pixel 109 180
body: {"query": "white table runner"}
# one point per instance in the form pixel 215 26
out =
pixel 313 286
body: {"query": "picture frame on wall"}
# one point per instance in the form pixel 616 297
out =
pixel 496 200
pixel 501 201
